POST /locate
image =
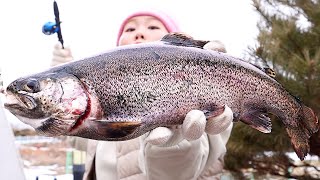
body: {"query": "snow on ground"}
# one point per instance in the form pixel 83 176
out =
pixel 44 173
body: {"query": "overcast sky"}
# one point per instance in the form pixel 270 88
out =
pixel 90 27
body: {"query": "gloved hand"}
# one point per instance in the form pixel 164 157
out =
pixel 215 46
pixel 186 152
pixel 193 127
pixel 61 55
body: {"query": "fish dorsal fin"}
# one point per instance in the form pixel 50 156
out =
pixel 181 39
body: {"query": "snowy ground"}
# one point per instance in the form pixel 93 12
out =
pixel 45 173
pixel 43 158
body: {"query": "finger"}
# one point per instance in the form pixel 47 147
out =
pixel 219 123
pixel 56 60
pixel 215 46
pixel 194 125
pixel 62 52
pixel 59 59
pixel 58 50
pixel 58 46
pixel 159 136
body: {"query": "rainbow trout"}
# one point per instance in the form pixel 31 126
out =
pixel 123 93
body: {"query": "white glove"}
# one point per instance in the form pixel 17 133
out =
pixel 61 55
pixel 184 152
pixel 193 127
pixel 215 46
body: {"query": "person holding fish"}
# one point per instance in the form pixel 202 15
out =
pixel 161 109
pixel 194 150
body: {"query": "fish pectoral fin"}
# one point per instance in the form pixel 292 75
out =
pixel 257 120
pixel 182 39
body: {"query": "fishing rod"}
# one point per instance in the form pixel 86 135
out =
pixel 50 28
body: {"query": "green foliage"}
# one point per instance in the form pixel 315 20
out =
pixel 246 143
pixel 289 41
pixel 291 45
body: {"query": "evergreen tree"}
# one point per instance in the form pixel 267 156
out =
pixel 289 41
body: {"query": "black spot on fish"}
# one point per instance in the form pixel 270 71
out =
pixel 121 100
pixel 122 68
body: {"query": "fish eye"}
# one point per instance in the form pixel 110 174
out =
pixel 32 86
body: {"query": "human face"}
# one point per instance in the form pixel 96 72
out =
pixel 141 29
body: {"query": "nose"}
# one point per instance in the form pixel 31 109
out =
pixel 139 35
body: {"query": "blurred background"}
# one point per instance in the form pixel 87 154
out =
pixel 285 34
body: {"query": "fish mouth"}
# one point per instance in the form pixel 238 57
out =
pixel 19 102
pixel 27 101
pixel 22 106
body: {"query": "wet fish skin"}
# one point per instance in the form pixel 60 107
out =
pixel 133 89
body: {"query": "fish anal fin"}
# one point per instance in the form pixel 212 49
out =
pixel 257 120
pixel 182 39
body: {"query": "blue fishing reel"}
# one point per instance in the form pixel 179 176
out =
pixel 54 27
pixel 50 28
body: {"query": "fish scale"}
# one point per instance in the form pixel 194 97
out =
pixel 133 89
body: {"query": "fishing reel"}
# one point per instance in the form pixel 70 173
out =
pixel 50 28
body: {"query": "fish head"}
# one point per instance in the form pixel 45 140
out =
pixel 51 103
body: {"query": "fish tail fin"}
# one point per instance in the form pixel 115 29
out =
pixel 308 124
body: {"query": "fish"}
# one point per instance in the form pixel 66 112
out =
pixel 124 92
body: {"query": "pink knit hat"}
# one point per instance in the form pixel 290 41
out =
pixel 168 22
